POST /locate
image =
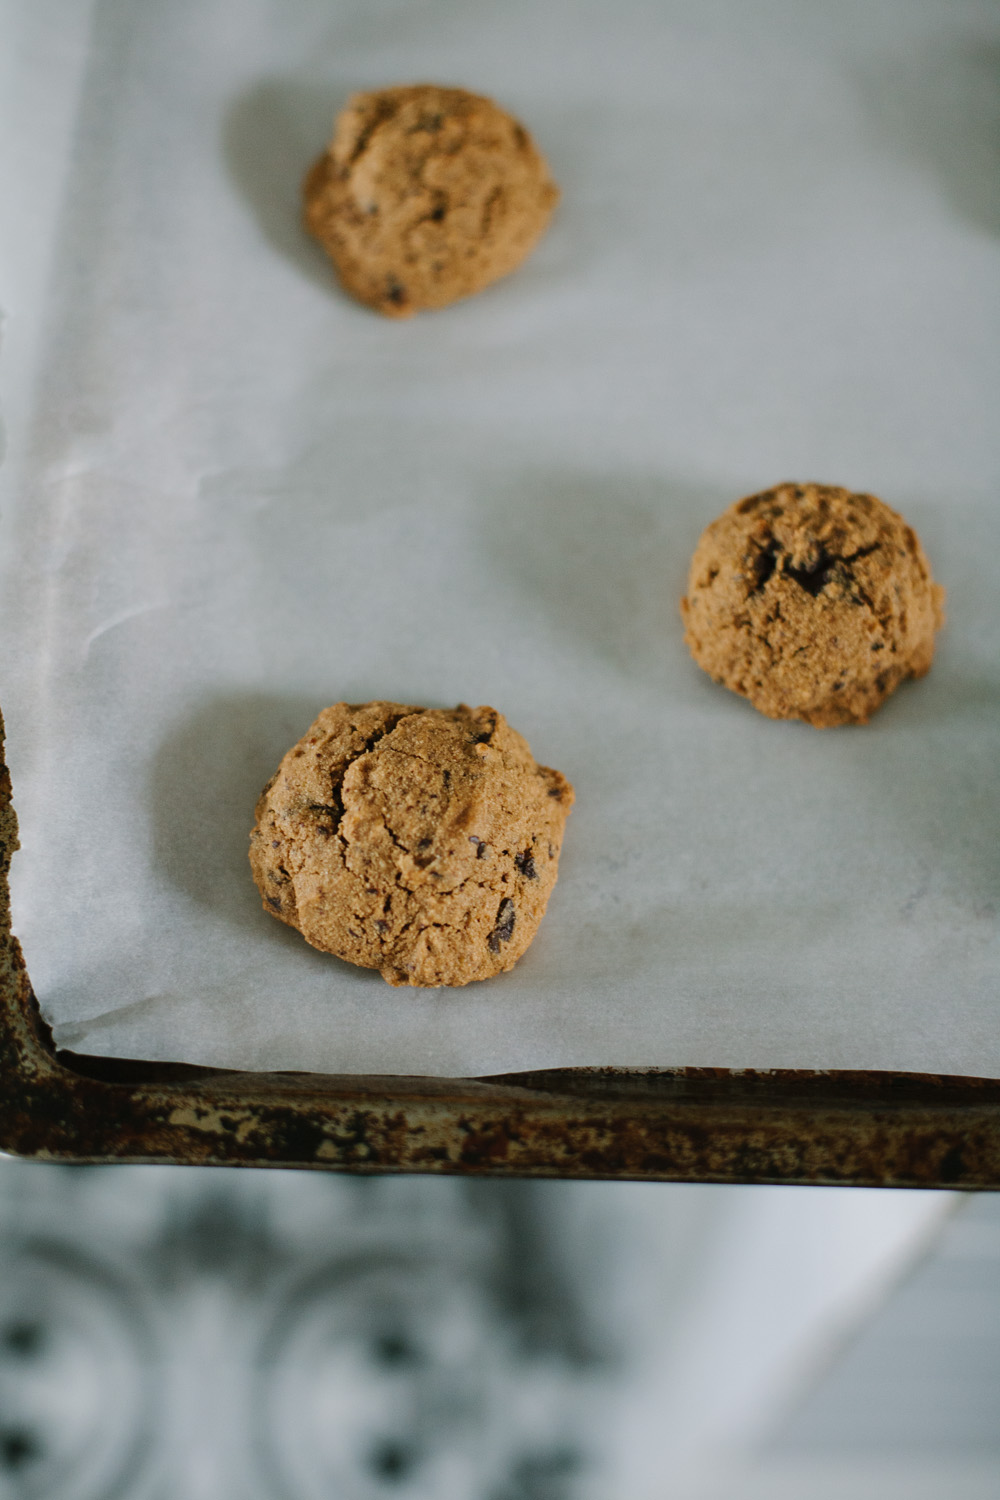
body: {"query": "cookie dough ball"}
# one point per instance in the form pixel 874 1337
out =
pixel 420 842
pixel 813 602
pixel 426 195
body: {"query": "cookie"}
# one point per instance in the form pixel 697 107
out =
pixel 420 842
pixel 813 602
pixel 426 195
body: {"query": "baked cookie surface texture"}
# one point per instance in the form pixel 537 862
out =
pixel 813 602
pixel 420 842
pixel 426 195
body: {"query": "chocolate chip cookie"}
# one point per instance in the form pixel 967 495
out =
pixel 813 602
pixel 426 195
pixel 420 842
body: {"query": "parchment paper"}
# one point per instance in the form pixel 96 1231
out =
pixel 238 497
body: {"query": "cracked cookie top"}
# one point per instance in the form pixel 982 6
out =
pixel 426 195
pixel 420 842
pixel 813 602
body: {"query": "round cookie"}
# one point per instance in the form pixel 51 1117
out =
pixel 426 195
pixel 420 842
pixel 813 602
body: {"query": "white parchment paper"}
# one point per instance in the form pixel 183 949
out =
pixel 236 497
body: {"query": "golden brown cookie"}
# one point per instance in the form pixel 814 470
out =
pixel 813 602
pixel 420 842
pixel 425 195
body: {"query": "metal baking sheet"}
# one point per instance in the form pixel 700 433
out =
pixel 231 496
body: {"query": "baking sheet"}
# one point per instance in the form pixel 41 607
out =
pixel 239 497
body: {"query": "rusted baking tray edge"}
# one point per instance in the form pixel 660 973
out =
pixel 674 1124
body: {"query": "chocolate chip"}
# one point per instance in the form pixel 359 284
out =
pixel 483 852
pixel 764 563
pixel 274 902
pixel 473 838
pixel 382 926
pixel 396 293
pixel 878 645
pixel 484 737
pixel 814 579
pixel 330 812
pixel 504 929
pixel 817 575
pixel 526 864
pixel 391 721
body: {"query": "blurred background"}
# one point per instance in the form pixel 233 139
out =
pixel 178 1333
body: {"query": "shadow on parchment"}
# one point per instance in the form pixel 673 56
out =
pixel 206 779
pixel 271 135
pixel 606 558
pixel 940 108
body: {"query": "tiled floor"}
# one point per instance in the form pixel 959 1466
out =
pixel 176 1334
